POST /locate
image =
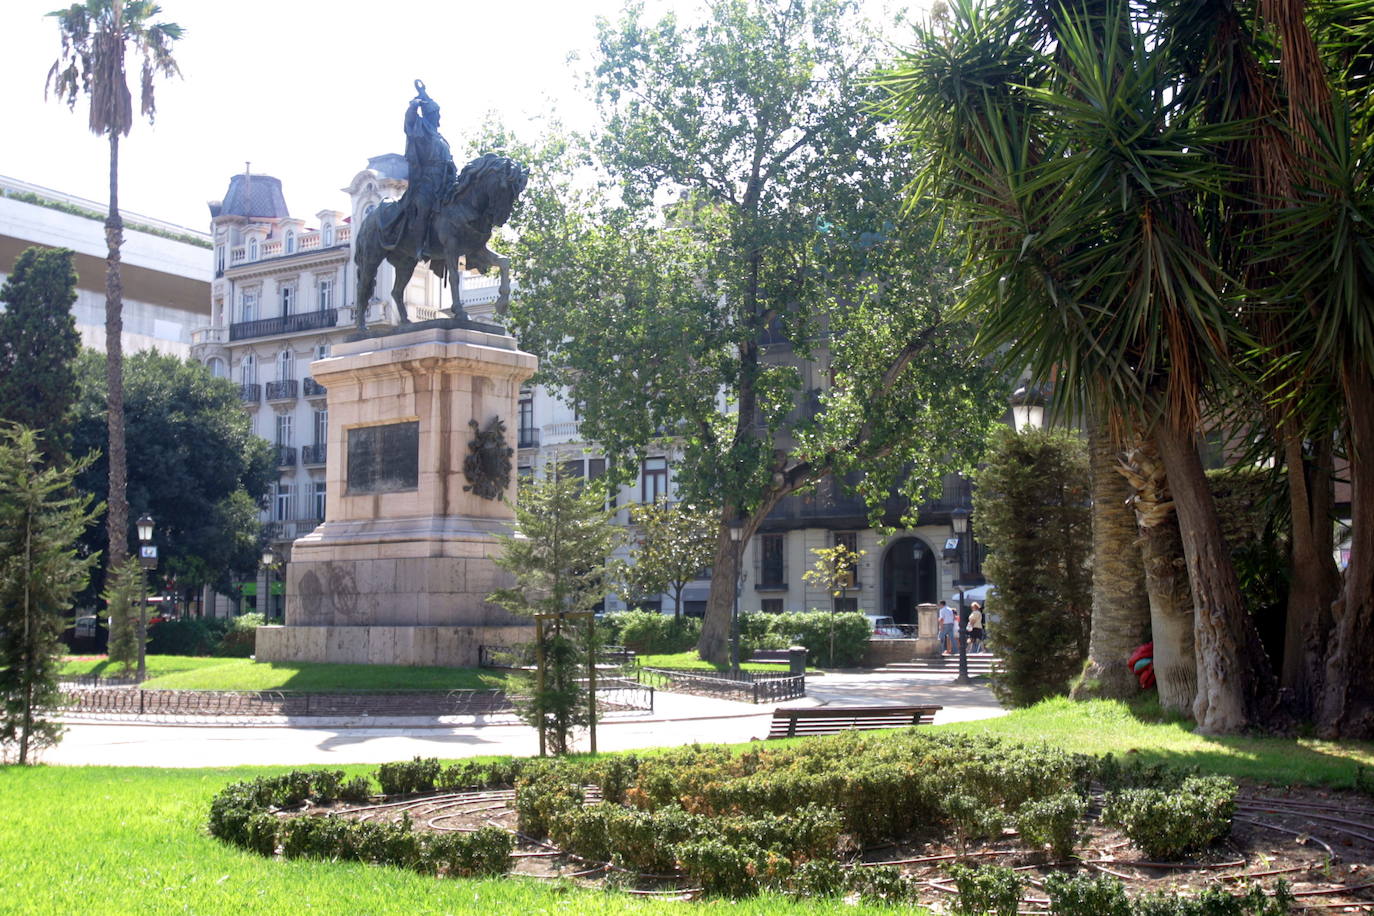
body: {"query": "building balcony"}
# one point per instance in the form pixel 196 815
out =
pixel 313 389
pixel 313 454
pixel 201 336
pixel 283 390
pixel 284 324
pixel 528 437
pixel 276 248
pixel 770 586
pixel 250 393
pixel 286 456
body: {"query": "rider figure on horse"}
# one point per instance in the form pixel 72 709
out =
pixel 431 174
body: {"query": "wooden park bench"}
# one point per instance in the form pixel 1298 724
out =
pixel 770 656
pixel 798 721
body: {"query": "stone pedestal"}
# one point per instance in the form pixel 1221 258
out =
pixel 927 630
pixel 399 571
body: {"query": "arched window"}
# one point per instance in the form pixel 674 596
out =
pixel 328 234
pixel 248 370
pixel 252 249
pixel 216 367
pixel 290 241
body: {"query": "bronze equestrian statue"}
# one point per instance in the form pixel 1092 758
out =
pixel 440 218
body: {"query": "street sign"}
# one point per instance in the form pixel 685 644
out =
pixel 147 556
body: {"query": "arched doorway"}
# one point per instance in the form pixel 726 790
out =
pixel 909 578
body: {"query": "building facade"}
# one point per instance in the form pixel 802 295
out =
pixel 165 269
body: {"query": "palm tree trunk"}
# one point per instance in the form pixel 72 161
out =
pixel 1315 582
pixel 1166 580
pixel 1235 685
pixel 1347 700
pixel 117 518
pixel 1120 612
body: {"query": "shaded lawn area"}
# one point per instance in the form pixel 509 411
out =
pixel 104 840
pixel 690 659
pixel 178 672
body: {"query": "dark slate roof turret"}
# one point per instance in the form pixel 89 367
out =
pixel 253 196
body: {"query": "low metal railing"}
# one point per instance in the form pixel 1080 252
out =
pixel 744 686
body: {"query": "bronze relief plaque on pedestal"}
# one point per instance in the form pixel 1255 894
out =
pixel 383 459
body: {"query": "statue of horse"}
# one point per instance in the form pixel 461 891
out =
pixel 480 199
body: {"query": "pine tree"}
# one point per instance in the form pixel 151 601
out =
pixel 561 564
pixel 123 599
pixel 40 520
pixel 39 344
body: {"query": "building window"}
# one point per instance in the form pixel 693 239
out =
pixel 847 605
pixel 772 561
pixel 654 481
pixel 322 351
pixel 771 605
pixel 326 294
pixel 284 424
pixel 328 234
pixel 248 307
pixel 850 541
pixel 290 242
pixel 216 367
pixel 252 249
pixel 281 503
pixel 321 427
pixel 317 499
pixel 526 415
pixel 285 366
pixel 571 469
pixel 219 259
pixel 288 300
pixel 248 370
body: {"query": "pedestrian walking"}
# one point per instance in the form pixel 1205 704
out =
pixel 947 617
pixel 975 626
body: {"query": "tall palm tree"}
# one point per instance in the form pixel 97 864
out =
pixel 97 37
pixel 1072 144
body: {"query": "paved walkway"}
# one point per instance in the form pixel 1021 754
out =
pixel 677 719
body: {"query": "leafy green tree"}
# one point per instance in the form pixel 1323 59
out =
pixel 97 36
pixel 1032 506
pixel 124 591
pixel 672 544
pixel 195 466
pixel 41 518
pixel 782 322
pixel 39 344
pixel 833 571
pixel 561 564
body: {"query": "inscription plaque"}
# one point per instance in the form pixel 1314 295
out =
pixel 383 459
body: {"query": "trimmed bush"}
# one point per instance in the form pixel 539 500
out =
pixel 1168 823
pixel 819 878
pixel 408 777
pixel 187 636
pixel 485 851
pixel 540 801
pixel 986 889
pixel 240 639
pixel 720 868
pixel 1052 822
pixel 881 884
pixel 1087 895
pixel 648 632
pixel 1216 901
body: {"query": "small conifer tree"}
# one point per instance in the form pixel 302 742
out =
pixel 124 600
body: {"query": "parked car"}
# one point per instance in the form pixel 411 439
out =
pixel 884 627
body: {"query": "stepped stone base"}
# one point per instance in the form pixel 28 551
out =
pixel 445 647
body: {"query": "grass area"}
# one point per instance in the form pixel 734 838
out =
pixel 690 659
pixel 177 672
pixel 102 840
pixel 1102 727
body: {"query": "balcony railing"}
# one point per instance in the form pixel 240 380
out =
pixel 528 438
pixel 284 324
pixel 283 390
pixel 209 336
pixel 313 389
pixel 250 392
pixel 313 454
pixel 286 456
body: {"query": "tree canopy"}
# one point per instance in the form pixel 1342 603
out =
pixel 39 344
pixel 194 464
pixel 746 286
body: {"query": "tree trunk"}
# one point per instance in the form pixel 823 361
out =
pixel 1315 582
pixel 714 644
pixel 117 503
pixel 1166 580
pixel 1347 699
pixel 1120 612
pixel 1235 685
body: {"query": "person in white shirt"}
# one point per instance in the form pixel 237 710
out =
pixel 947 619
pixel 975 628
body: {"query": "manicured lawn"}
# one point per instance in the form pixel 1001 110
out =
pixel 175 672
pixel 1103 727
pixel 100 840
pixel 690 659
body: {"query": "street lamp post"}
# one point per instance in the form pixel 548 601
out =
pixel 147 559
pixel 958 520
pixel 737 538
pixel 269 559
pixel 1028 408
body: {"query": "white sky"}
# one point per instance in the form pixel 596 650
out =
pixel 306 90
